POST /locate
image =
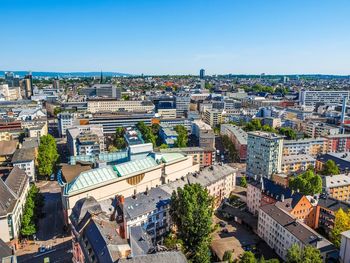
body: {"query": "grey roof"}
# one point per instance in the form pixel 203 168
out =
pixel 142 203
pixel 5 250
pixel 238 132
pixel 7 199
pixel 23 155
pixel 17 180
pixel 30 142
pixel 8 147
pixel 83 206
pixel 140 241
pixel 298 158
pixel 302 232
pixel 161 257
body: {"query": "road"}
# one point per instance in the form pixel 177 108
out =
pixel 50 232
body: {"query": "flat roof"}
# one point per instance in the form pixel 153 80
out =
pixel 298 158
pixel 239 133
pixel 332 181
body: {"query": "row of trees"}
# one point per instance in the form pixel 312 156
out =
pixel 294 255
pixel 149 133
pixel 47 155
pixel 32 209
pixel 182 138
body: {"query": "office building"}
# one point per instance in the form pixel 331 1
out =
pixel 56 84
pixel 204 156
pixel 182 102
pixel 238 137
pixel 13 192
pixel 167 113
pixel 102 90
pixel 137 148
pixel 313 97
pixel 28 85
pixel 10 93
pixel 264 154
pixel 213 117
pixel 114 105
pixel 111 121
pixel 202 74
pixel 168 136
pixel 281 230
pixel 65 121
pixel 204 134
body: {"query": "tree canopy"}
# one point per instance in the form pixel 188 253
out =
pixel 47 155
pixel 147 133
pixel 182 138
pixel 341 224
pixel 192 210
pixel 307 183
pixel 119 141
pixel 243 182
pixel 310 254
pixel 330 168
pixel 288 132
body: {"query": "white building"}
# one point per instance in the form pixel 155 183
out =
pixel 264 154
pixel 344 255
pixel 182 101
pixel 24 158
pixel 280 231
pixel 65 121
pixel 312 97
pixel 13 193
pixel 112 105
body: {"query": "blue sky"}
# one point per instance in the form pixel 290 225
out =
pixel 176 37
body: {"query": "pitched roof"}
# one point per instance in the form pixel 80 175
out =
pixel 168 257
pixel 23 155
pixel 16 180
pixel 5 250
pixel 7 199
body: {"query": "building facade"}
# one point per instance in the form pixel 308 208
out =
pixel 238 137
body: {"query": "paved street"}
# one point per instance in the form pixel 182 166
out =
pixel 50 231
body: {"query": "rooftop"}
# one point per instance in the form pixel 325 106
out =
pixel 238 132
pixel 8 147
pixel 291 159
pixel 339 180
pixel 23 155
pixel 266 135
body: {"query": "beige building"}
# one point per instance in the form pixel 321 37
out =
pixel 311 147
pixel 167 113
pixel 13 193
pixel 123 179
pixel 10 93
pixel 112 105
pixel 213 117
pixel 6 136
pixel 297 163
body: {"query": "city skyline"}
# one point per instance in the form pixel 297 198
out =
pixel 157 38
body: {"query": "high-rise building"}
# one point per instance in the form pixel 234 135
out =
pixel 202 74
pixel 213 117
pixel 28 85
pixel 264 154
pixel 56 84
pixel 182 101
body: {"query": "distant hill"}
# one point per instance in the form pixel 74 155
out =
pixel 66 74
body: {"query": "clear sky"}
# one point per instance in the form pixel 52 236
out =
pixel 176 37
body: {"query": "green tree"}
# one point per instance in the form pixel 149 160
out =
pixel 119 132
pixel 309 254
pixel 248 257
pixel 341 224
pixel 330 168
pixel 228 256
pixel 47 155
pixel 182 138
pixel 243 182
pixel 308 183
pixel 192 210
pixel 146 132
pixel 163 146
pixel 288 132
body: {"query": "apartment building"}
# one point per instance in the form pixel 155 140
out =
pixel 344 254
pixel 337 186
pixel 272 122
pixel 238 137
pixel 281 230
pixel 114 105
pixel 13 193
pixel 311 147
pixel 264 154
pixel 342 160
pixel 24 158
pixel 338 143
pixel 167 113
pixel 65 121
pixel 312 97
pixel 297 163
pixel 318 129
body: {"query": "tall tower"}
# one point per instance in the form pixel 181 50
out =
pixel 101 78
pixel 202 74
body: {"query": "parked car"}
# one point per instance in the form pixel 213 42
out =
pixel 224 230
pixel 222 223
